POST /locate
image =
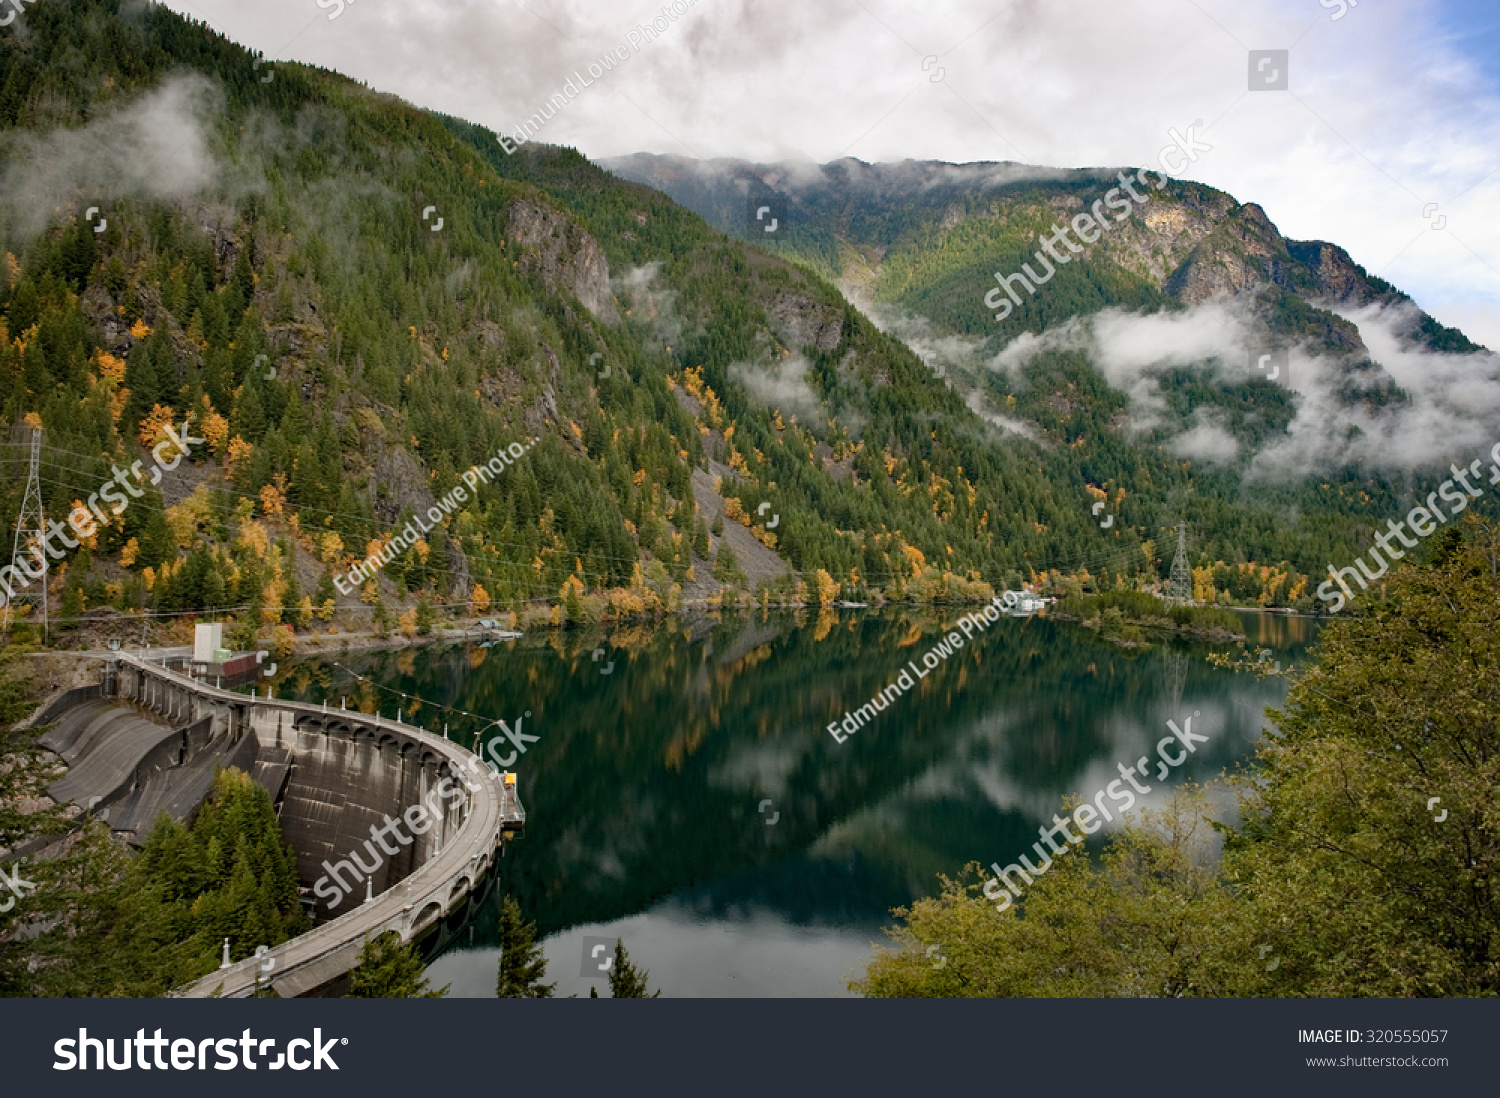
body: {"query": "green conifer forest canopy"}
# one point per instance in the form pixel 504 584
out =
pixel 279 274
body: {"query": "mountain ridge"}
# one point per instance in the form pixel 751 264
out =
pixel 1200 266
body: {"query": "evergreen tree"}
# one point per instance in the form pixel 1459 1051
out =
pixel 625 982
pixel 24 771
pixel 522 965
pixel 291 597
pixel 72 602
pixel 388 969
pixel 727 568
pixel 117 926
pixel 158 544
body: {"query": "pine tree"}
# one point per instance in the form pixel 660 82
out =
pixel 325 589
pixel 522 966
pixel 388 969
pixel 158 545
pixel 727 568
pixel 625 982
pixel 291 596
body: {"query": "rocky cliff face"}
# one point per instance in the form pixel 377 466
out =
pixel 564 254
pixel 802 323
pixel 1334 272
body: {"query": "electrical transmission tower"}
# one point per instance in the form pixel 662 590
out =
pixel 31 526
pixel 1180 586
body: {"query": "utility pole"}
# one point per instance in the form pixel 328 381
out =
pixel 1180 586
pixel 31 528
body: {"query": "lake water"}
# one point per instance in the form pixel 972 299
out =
pixel 659 747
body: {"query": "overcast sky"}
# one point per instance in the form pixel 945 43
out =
pixel 1390 105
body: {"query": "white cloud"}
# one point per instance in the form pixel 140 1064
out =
pixel 782 384
pixel 1206 441
pixel 1452 414
pixel 155 145
pixel 649 302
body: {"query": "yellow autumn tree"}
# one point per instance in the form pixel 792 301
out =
pixel 254 537
pixel 272 502
pixel 92 541
pixel 283 643
pixel 111 368
pixel 187 517
pixel 826 587
pixel 238 450
pixel 480 598
pixel 330 547
pixel 215 428
pixel 272 594
pixel 915 558
pixel 151 425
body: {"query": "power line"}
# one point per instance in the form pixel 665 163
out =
pixel 1112 559
pixel 371 523
pixel 413 697
pixel 376 525
pixel 494 562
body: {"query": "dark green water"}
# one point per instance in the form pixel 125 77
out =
pixel 645 788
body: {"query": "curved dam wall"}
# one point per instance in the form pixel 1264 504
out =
pixel 336 773
pixel 346 779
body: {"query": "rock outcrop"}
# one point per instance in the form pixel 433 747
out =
pixel 801 322
pixel 566 256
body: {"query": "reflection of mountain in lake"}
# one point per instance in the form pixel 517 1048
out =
pixel 647 781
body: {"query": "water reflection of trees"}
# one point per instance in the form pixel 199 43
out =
pixel 646 780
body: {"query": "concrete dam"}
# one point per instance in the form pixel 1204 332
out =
pixel 331 773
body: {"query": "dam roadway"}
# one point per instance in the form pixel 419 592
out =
pixel 337 770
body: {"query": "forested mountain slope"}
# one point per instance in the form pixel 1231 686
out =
pixel 357 301
pixel 1138 347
